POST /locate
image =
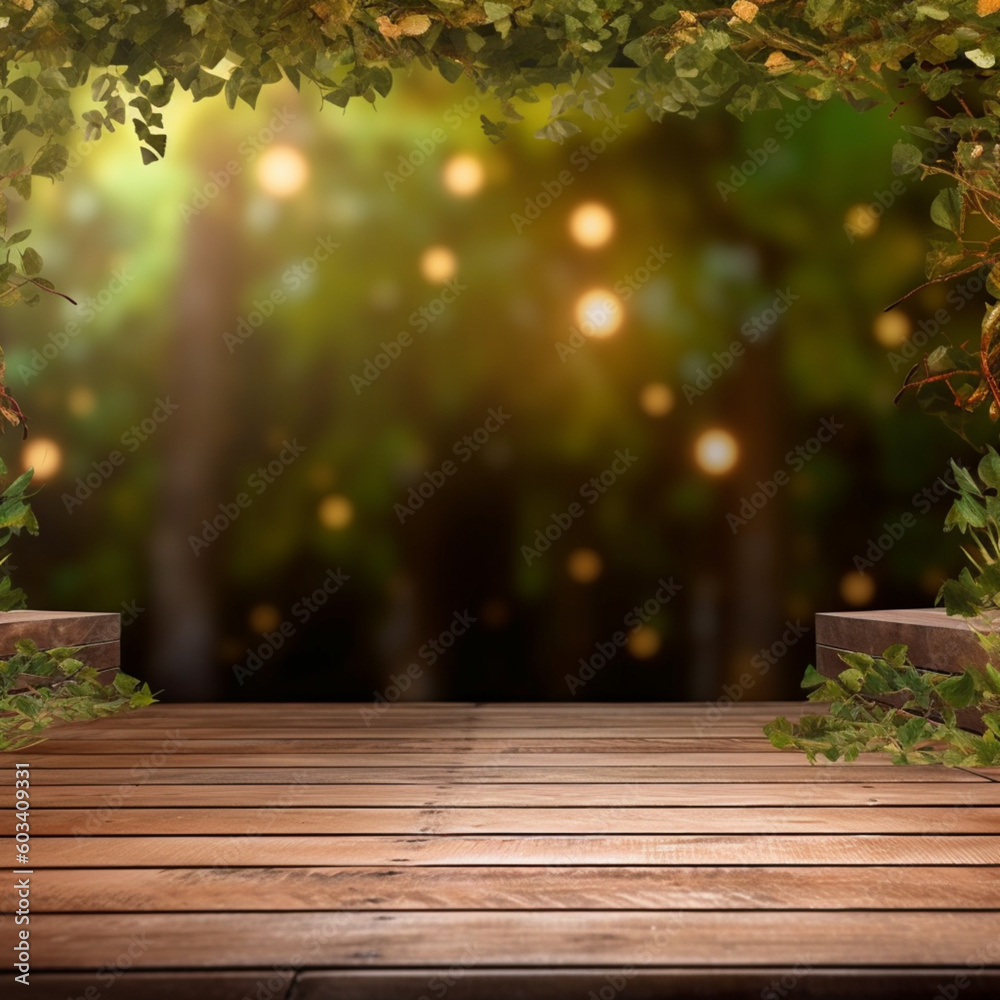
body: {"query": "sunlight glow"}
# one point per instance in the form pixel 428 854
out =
pixel 591 224
pixel 716 451
pixel 438 264
pixel 282 171
pixel 599 313
pixel 44 456
pixel 464 175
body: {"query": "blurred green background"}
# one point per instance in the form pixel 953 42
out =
pixel 210 340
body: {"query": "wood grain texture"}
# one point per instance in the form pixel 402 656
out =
pixel 794 772
pixel 295 819
pixel 525 849
pixel 497 852
pixel 98 799
pixel 547 939
pixel 49 629
pixel 512 887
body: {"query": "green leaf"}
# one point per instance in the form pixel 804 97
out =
pixel 959 691
pixel 946 209
pixel 31 262
pixel 906 157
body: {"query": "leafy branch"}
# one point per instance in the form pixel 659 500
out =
pixel 920 723
pixel 40 687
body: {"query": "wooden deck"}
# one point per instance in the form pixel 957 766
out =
pixel 292 852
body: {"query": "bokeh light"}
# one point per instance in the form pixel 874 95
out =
pixel 282 171
pixel 335 512
pixel 599 313
pixel 464 175
pixel 857 589
pixel 591 224
pixel 584 565
pixel 644 642
pixel 44 456
pixel 861 221
pixel 438 264
pixel 716 451
pixel 892 328
pixel 264 618
pixel 81 401
pixel 656 399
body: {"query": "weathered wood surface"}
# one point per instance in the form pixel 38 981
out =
pixel 497 851
pixel 50 629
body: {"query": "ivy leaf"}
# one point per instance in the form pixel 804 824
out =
pixel 959 691
pixel 51 161
pixel 31 262
pixel 906 157
pixel 946 209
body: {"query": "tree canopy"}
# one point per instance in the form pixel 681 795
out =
pixel 679 58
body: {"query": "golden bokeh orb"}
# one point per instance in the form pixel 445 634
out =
pixel 335 512
pixel 282 171
pixel 716 451
pixel 644 642
pixel 584 565
pixel 438 264
pixel 656 399
pixel 44 456
pixel 591 224
pixel 599 313
pixel 857 589
pixel 464 175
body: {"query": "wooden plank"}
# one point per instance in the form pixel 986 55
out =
pixel 472 758
pixel 935 640
pixel 294 819
pixel 134 793
pixel 525 849
pixel 795 773
pixel 550 939
pixel 128 984
pixel 517 749
pixel 466 982
pixel 49 629
pixel 699 730
pixel 511 888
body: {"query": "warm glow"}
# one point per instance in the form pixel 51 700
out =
pixel 656 399
pixel 861 221
pixel 438 264
pixel 644 642
pixel 264 618
pixel 591 224
pixel 335 512
pixel 81 401
pixel 599 313
pixel 857 589
pixel 584 565
pixel 44 456
pixel 282 171
pixel 892 328
pixel 463 175
pixel 716 451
